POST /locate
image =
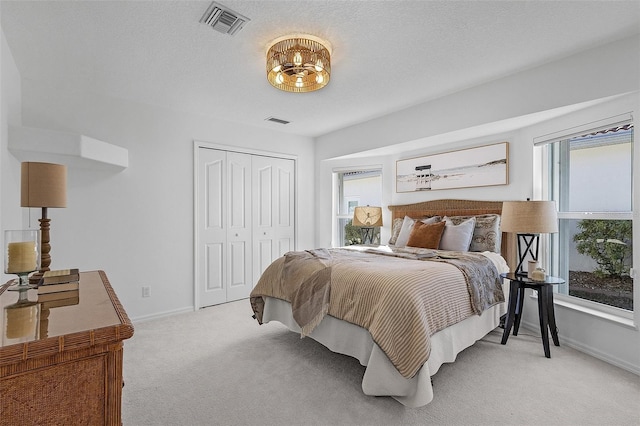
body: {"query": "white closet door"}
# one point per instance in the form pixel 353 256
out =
pixel 245 220
pixel 273 210
pixel 239 263
pixel 212 233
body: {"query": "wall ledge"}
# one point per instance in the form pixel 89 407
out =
pixel 618 319
pixel 70 149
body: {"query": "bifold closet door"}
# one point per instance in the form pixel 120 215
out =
pixel 224 221
pixel 239 263
pixel 273 210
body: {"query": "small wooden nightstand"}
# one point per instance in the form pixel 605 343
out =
pixel 545 307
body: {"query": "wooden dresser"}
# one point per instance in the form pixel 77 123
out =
pixel 61 361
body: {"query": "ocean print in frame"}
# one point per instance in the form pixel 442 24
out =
pixel 465 168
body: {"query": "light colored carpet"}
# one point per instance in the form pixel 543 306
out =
pixel 217 366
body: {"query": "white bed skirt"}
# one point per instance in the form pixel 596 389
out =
pixel 381 378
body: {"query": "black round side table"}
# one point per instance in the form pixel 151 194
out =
pixel 545 307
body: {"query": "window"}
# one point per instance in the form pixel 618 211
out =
pixel 353 189
pixel 590 178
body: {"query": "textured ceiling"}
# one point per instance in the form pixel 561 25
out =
pixel 387 55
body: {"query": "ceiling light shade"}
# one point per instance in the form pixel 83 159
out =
pixel 300 63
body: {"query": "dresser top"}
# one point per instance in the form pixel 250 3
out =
pixel 45 324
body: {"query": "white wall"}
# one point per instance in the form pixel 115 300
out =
pixel 429 128
pixel 10 101
pixel 137 224
pixel 604 71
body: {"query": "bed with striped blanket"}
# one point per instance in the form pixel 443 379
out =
pixel 401 313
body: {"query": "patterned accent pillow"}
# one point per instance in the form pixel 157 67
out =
pixel 395 230
pixel 431 220
pixel 486 234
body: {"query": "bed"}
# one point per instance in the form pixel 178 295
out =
pixel 401 310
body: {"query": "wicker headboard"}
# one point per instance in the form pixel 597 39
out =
pixel 457 208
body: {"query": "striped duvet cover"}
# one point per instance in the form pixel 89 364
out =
pixel 402 298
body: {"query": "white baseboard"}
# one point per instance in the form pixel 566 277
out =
pixel 596 353
pixel 162 314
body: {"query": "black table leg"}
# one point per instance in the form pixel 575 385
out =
pixel 552 316
pixel 513 300
pixel 544 324
pixel 519 309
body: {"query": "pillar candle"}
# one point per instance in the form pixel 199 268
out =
pixel 21 321
pixel 22 257
pixel 533 265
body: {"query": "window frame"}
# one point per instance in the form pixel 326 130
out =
pixel 338 196
pixel 550 243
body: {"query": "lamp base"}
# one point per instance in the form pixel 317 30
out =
pixel 527 246
pixel 367 235
pixel 45 247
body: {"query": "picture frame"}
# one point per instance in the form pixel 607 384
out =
pixel 486 165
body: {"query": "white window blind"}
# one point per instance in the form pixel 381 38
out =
pixel 617 120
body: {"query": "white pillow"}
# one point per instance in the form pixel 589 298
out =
pixel 407 227
pixel 431 220
pixel 457 237
pixel 405 231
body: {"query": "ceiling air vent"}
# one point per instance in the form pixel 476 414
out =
pixel 223 19
pixel 277 120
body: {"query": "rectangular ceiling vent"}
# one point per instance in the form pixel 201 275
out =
pixel 223 19
pixel 277 120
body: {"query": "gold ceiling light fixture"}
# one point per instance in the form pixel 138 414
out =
pixel 299 63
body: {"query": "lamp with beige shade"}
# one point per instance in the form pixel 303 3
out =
pixel 43 185
pixel 528 219
pixel 367 218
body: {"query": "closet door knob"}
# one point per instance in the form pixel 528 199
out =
pixel 236 235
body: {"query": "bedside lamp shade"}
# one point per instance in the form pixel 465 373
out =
pixel 367 216
pixel 43 185
pixel 528 219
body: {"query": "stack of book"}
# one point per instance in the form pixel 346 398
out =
pixel 59 281
pixel 57 289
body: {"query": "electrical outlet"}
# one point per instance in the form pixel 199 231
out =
pixel 146 291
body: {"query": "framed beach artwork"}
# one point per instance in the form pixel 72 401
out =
pixel 486 165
